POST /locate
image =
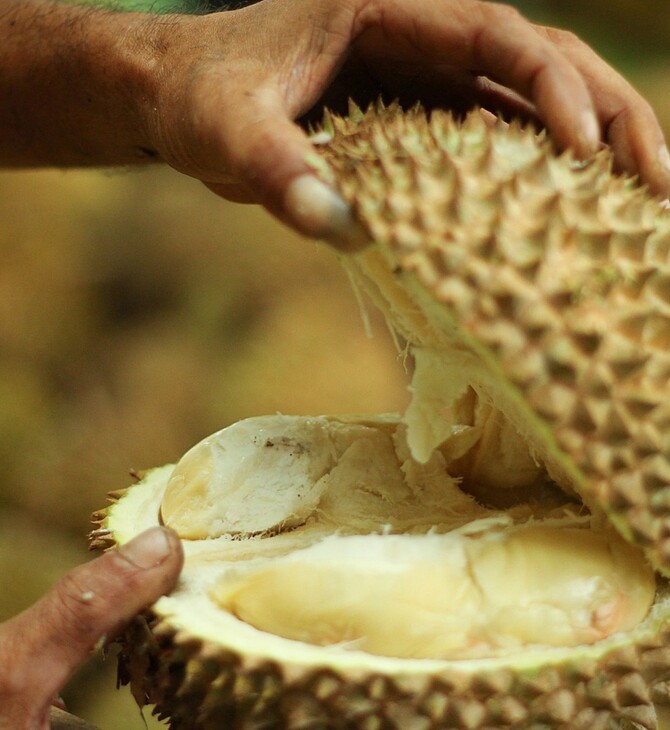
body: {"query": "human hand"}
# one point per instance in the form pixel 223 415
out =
pixel 41 647
pixel 231 84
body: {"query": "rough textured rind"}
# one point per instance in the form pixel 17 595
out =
pixel 198 686
pixel 555 271
pixel 556 274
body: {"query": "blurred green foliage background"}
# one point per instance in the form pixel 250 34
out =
pixel 138 313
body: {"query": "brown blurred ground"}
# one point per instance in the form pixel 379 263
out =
pixel 139 313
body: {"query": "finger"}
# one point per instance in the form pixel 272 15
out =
pixel 631 127
pixel 447 86
pixel 58 702
pixel 89 605
pixel 503 101
pixel 234 192
pixel 270 155
pixel 495 41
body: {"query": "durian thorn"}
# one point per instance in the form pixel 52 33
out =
pixel 100 532
pixel 113 497
pixel 379 107
pixel 98 523
pixel 417 110
pixel 320 166
pixel 355 112
pixel 327 124
pixel 101 540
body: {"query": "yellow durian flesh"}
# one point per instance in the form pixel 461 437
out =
pixel 374 551
pixel 447 597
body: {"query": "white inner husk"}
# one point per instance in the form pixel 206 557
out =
pixel 380 527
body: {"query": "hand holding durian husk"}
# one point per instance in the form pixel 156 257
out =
pixel 496 557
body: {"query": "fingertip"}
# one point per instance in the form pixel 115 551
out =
pixel 640 148
pixel 661 182
pixel 150 548
pixel 316 210
pixel 589 133
pixel 568 111
pixel 270 158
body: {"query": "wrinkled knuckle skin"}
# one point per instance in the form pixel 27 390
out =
pixel 253 162
pixel 504 14
pixel 564 38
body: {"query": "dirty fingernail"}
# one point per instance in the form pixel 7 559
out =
pixel 315 207
pixel 149 549
pixel 321 212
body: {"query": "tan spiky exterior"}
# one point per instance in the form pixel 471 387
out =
pixel 197 685
pixel 203 687
pixel 556 272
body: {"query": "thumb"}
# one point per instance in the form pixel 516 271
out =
pixel 92 602
pixel 269 154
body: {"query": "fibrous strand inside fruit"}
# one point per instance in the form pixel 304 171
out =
pixel 329 531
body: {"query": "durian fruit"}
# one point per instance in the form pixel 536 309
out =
pixel 497 557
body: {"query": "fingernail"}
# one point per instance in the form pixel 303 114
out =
pixel 149 549
pixel 590 131
pixel 321 212
pixel 59 702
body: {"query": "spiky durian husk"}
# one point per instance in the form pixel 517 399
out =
pixel 204 687
pixel 200 685
pixel 554 272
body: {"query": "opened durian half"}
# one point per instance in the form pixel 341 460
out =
pixel 497 556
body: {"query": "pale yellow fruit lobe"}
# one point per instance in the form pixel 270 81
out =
pixel 364 547
pixel 448 596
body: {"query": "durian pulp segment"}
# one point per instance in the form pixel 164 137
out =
pixel 369 550
pixel 446 363
pixel 481 445
pixel 447 596
pixel 272 474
